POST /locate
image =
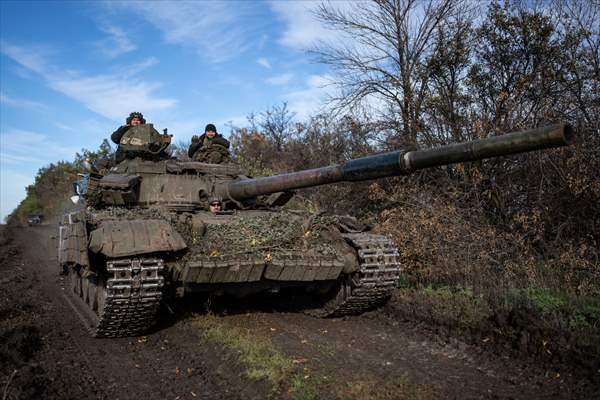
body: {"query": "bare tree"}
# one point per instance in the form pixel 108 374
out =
pixel 277 124
pixel 385 56
pixel 578 22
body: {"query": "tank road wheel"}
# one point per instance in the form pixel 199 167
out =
pixel 85 290
pixel 75 280
pixel 81 296
pixel 98 295
pixel 371 285
pixel 124 303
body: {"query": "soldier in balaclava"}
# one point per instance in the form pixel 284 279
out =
pixel 210 147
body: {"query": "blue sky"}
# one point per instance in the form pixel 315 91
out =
pixel 71 71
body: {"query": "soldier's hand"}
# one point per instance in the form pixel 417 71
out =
pixel 195 139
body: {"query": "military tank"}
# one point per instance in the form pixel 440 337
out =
pixel 145 232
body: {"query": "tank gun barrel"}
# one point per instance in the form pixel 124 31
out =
pixel 404 162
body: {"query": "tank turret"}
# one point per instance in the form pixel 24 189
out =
pixel 147 232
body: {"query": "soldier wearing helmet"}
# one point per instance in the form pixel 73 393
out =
pixel 148 145
pixel 135 118
pixel 215 205
pixel 210 147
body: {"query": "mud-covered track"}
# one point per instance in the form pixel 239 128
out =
pixel 372 284
pixel 122 303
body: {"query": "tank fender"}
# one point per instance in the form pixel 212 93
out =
pixel 72 240
pixel 346 252
pixel 132 237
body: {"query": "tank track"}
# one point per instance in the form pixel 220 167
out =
pixel 373 283
pixel 122 304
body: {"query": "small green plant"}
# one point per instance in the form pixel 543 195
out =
pixel 578 321
pixel 545 300
pixel 586 314
pixel 404 283
pixel 303 388
pixel 262 359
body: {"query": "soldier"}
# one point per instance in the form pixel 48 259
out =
pixel 211 147
pixel 150 146
pixel 135 118
pixel 215 205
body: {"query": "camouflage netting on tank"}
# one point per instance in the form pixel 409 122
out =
pixel 268 233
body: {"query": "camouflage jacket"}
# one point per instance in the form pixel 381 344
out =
pixel 195 146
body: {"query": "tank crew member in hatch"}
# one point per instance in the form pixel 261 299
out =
pixel 144 142
pixel 211 147
pixel 215 205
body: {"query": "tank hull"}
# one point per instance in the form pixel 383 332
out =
pixel 120 267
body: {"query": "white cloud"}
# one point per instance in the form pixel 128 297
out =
pixel 65 127
pixel 116 43
pixel 264 62
pixel 32 147
pixel 302 29
pixel 134 69
pixel 262 41
pixel 20 103
pixel 107 95
pixel 216 30
pixel 280 80
pixel 32 58
pixel 312 98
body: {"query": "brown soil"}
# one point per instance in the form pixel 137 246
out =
pixel 46 353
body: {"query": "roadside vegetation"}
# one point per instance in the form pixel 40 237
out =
pixel 504 252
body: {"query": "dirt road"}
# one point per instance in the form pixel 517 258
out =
pixel 46 353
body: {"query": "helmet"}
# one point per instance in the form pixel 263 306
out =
pixel 133 115
pixel 215 199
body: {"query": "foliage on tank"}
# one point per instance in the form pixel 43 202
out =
pixel 268 233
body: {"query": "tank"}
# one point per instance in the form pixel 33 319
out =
pixel 145 232
pixel 34 219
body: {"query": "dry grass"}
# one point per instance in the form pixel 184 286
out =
pixel 258 353
pixel 444 241
pixel 395 389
